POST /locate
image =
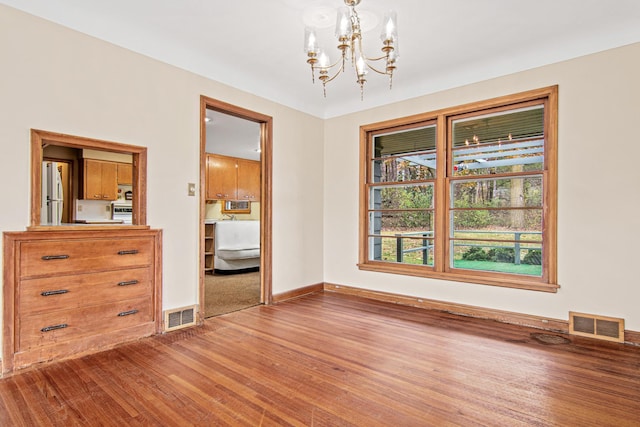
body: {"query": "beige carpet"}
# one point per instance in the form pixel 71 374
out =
pixel 224 293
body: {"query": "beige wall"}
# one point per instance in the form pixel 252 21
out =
pixel 59 80
pixel 62 81
pixel 598 224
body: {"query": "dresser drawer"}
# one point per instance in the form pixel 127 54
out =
pixel 45 329
pixel 53 257
pixel 81 290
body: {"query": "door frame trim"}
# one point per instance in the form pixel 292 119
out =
pixel 266 143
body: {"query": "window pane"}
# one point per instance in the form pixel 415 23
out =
pixel 511 141
pixel 502 257
pixel 504 235
pixel 405 142
pixel 402 248
pixel 419 166
pixel 502 192
pixel 495 220
pixel 384 222
pixel 402 197
pixel 407 155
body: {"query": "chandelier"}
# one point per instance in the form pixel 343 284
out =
pixel 349 35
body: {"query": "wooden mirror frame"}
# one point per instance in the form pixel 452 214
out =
pixel 139 161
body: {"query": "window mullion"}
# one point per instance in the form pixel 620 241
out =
pixel 441 196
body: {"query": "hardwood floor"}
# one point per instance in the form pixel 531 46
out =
pixel 335 360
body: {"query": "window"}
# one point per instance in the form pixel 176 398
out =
pixel 464 194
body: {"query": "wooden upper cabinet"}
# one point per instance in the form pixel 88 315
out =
pixel 100 180
pixel 125 173
pixel 92 180
pixel 230 178
pixel 222 177
pixel 248 180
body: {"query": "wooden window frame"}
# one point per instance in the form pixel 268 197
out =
pixel 547 282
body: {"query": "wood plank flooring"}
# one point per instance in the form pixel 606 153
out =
pixel 335 360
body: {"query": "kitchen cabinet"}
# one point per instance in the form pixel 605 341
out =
pixel 231 178
pixel 222 177
pixel 99 180
pixel 248 180
pixel 209 247
pixel 72 293
pixel 124 173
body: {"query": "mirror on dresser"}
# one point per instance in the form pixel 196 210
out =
pixel 76 180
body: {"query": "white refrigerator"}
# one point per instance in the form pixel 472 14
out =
pixel 52 193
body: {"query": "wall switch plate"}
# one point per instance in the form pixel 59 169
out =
pixel 191 189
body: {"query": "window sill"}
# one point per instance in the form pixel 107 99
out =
pixel 480 278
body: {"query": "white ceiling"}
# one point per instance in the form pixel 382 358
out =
pixel 231 136
pixel 257 45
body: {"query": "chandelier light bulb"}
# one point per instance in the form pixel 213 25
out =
pixel 360 66
pixel 323 60
pixel 343 23
pixel 310 41
pixel 389 27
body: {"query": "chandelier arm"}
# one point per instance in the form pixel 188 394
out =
pixel 369 66
pixel 328 79
pixel 379 58
pixel 328 67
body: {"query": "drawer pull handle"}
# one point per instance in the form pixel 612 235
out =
pixel 50 257
pixel 130 252
pixel 54 327
pixel 56 292
pixel 130 282
pixel 127 313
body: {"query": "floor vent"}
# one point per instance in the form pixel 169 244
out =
pixel 590 325
pixel 179 318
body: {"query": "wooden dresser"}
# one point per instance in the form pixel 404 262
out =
pixel 74 292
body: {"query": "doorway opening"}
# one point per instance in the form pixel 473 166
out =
pixel 235 208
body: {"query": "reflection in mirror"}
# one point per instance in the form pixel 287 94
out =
pixel 78 180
